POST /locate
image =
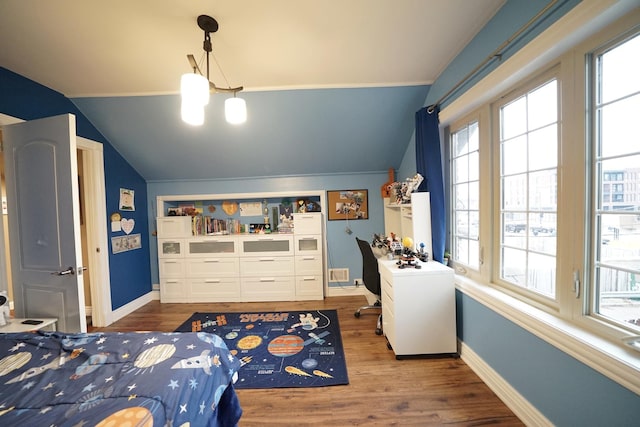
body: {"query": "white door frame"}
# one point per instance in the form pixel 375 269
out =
pixel 96 226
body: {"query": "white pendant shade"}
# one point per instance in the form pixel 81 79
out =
pixel 194 89
pixel 192 114
pixel 235 110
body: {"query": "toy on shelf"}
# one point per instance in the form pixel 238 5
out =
pixel 400 192
pixel 408 257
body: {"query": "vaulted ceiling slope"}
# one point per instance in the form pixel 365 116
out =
pixel 331 86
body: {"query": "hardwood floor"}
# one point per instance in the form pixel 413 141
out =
pixel 381 390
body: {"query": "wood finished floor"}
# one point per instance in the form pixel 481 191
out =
pixel 381 390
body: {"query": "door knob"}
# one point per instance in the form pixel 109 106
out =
pixel 69 270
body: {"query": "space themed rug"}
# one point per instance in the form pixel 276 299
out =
pixel 279 349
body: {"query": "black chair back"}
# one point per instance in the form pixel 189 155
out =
pixel 370 272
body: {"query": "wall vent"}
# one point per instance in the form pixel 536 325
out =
pixel 339 275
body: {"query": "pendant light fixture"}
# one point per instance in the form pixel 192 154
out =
pixel 195 87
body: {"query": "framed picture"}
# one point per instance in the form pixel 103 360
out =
pixel 347 204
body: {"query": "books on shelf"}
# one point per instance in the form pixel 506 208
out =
pixel 205 225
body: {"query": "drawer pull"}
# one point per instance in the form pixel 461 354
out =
pixel 267 259
pixel 211 260
pixel 308 258
pixel 212 281
pixel 267 279
pixel 308 278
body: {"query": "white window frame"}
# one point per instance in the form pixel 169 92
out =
pixel 566 327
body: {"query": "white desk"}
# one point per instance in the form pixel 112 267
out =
pixel 16 325
pixel 418 308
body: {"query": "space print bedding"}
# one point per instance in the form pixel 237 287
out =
pixel 146 378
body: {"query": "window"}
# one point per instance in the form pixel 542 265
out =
pixel 615 216
pixel 466 194
pixel 528 159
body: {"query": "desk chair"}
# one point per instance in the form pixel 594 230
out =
pixel 371 278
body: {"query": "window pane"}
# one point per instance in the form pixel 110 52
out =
pixel 543 148
pixel 618 131
pixel 514 156
pixel 616 184
pixel 619 68
pixel 529 190
pixel 540 111
pixel 513 119
pixel 514 192
pixel 466 194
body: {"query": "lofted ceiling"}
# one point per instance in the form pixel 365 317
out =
pixel 331 86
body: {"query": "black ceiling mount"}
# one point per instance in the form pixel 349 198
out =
pixel 207 24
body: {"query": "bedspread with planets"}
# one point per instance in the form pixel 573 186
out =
pixel 133 378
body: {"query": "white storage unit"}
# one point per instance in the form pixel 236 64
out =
pixel 309 263
pixel 410 220
pixel 241 267
pixel 418 308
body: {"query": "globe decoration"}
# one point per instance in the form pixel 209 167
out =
pixel 407 243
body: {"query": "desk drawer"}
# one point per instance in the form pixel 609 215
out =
pixel 308 264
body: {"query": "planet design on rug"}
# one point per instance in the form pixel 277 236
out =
pixel 286 345
pixel 231 335
pixel 309 363
pixel 249 342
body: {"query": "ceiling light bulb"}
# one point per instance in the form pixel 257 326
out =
pixel 235 110
pixel 194 89
pixel 192 114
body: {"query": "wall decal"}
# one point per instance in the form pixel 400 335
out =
pixel 127 225
pixel 127 202
pixel 125 243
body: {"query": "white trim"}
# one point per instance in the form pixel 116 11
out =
pixel 582 21
pixel 520 406
pixel 96 225
pixel 613 360
pixel 343 291
pixel 134 305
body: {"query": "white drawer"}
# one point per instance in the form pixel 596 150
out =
pixel 215 289
pixel 308 264
pixel 216 246
pixel 174 226
pixel 173 290
pixel 170 248
pixel 308 244
pixel 171 267
pixel 272 244
pixel 267 266
pixel 388 325
pixel 268 289
pixel 309 287
pixel 212 266
pixel 307 223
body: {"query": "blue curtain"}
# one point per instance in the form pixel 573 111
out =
pixel 429 165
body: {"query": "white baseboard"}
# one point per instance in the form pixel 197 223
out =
pixel 134 305
pixel 341 291
pixel 521 407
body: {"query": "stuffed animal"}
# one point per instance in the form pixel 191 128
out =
pixel 4 308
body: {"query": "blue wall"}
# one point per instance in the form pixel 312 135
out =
pixel 28 100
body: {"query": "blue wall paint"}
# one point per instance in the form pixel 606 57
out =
pixel 28 100
pixel 565 390
pixel 342 249
pixel 509 19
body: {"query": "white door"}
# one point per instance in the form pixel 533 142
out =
pixel 44 220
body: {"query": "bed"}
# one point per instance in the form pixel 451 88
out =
pixel 109 379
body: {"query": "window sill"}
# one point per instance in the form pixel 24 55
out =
pixel 616 361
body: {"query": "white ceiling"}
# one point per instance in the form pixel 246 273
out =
pixel 124 48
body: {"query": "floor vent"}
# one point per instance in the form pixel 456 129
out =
pixel 339 275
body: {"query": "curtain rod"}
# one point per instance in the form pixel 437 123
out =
pixel 495 54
